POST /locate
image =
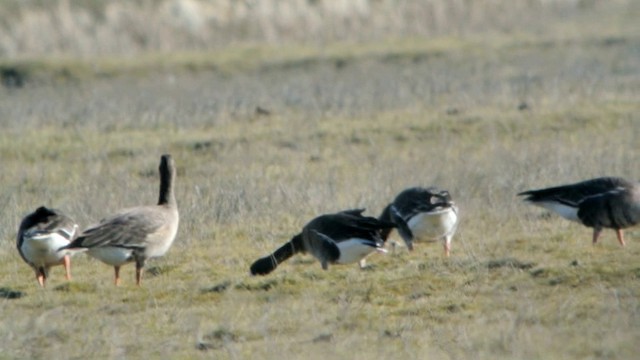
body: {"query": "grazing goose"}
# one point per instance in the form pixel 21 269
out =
pixel 606 202
pixel 425 214
pixel 341 238
pixel 135 234
pixel 40 235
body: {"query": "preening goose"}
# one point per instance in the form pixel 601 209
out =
pixel 423 214
pixel 606 202
pixel 135 234
pixel 40 235
pixel 341 238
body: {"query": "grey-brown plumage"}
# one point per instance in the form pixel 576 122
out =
pixel 135 234
pixel 341 238
pixel 40 235
pixel 606 202
pixel 426 214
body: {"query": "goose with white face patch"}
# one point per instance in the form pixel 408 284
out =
pixel 606 202
pixel 40 235
pixel 423 214
pixel 342 238
pixel 136 234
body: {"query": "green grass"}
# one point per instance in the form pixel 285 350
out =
pixel 519 285
pixel 264 58
pixel 230 61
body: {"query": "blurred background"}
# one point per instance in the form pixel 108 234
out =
pixel 30 28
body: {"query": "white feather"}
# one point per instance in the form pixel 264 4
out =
pixel 354 250
pixel 114 256
pixel 566 211
pixel 42 249
pixel 434 225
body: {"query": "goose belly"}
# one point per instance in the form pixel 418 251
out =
pixel 354 250
pixel 43 249
pixel 114 256
pixel 434 225
pixel 567 212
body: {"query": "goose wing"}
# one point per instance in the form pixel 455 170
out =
pixel 353 212
pixel 322 247
pixel 349 224
pixel 573 194
pixel 46 221
pixel 128 229
pixel 616 208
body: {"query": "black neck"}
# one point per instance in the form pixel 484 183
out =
pixel 167 177
pixel 267 264
pixel 289 249
pixel 386 217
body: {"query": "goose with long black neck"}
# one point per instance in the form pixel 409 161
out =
pixel 40 235
pixel 135 234
pixel 425 214
pixel 340 238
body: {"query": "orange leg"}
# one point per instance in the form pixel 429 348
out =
pixel 117 271
pixel 620 236
pixel 66 261
pixel 40 277
pixel 447 246
pixel 596 235
pixel 138 275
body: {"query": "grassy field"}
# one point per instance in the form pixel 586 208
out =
pixel 348 126
pixel 90 28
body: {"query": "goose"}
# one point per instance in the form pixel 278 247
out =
pixel 604 202
pixel 135 234
pixel 40 234
pixel 340 238
pixel 425 214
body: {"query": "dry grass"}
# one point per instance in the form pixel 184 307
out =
pixel 347 130
pixel 90 28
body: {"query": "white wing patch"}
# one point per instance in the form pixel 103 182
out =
pixel 566 211
pixel 354 250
